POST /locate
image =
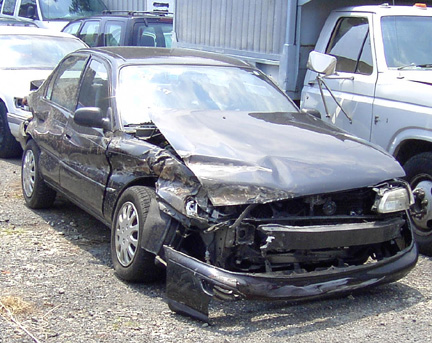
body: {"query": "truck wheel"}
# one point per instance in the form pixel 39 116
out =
pixel 37 193
pixel 419 174
pixel 131 262
pixel 9 147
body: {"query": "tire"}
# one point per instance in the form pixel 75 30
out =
pixel 9 147
pixel 37 193
pixel 131 262
pixel 418 171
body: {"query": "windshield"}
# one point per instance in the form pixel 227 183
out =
pixel 35 52
pixel 407 40
pixel 143 89
pixel 70 9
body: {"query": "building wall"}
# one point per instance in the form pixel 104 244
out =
pixel 137 5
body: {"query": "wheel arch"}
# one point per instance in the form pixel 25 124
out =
pixel 114 197
pixel 411 143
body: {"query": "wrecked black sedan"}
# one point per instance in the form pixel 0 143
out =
pixel 200 165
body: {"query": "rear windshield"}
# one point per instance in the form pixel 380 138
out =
pixel 34 52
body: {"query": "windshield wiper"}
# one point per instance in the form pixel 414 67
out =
pixel 413 65
pixel 144 124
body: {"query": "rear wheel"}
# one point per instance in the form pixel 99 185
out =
pixel 9 147
pixel 131 262
pixel 419 175
pixel 37 193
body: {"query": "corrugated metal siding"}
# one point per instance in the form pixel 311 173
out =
pixel 138 5
pixel 253 25
pixel 126 5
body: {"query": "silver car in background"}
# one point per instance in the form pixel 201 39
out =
pixel 27 54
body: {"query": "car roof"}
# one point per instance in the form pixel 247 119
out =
pixel 128 15
pixel 32 31
pixel 147 55
pixel 389 10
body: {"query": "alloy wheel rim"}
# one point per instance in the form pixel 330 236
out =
pixel 29 173
pixel 126 234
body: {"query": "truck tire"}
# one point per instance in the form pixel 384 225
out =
pixel 131 262
pixel 9 147
pixel 418 171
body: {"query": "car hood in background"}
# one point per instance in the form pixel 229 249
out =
pixel 243 158
pixel 16 83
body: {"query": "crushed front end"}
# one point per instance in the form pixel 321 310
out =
pixel 291 249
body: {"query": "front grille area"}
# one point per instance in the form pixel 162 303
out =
pixel 310 234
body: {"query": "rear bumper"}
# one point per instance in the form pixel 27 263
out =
pixel 192 283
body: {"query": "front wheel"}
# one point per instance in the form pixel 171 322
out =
pixel 418 171
pixel 131 262
pixel 37 193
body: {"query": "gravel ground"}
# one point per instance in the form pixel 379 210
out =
pixel 57 285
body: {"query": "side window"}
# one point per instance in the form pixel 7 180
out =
pixel 113 33
pixel 89 32
pixel 63 88
pixel 72 28
pixel 28 9
pixel 9 7
pixel 350 44
pixel 146 36
pixel 157 34
pixel 94 90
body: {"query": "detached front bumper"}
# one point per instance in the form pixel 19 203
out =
pixel 192 283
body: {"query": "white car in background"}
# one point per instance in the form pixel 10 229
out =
pixel 27 54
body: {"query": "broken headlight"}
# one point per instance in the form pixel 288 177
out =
pixel 392 199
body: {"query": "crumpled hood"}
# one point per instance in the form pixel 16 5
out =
pixel 16 83
pixel 243 158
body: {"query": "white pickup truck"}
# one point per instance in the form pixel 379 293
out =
pixel 383 82
pixel 383 74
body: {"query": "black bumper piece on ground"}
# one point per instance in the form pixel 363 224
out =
pixel 192 283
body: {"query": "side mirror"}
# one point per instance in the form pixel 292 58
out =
pixel 322 63
pixel 91 117
pixel 312 112
pixel 35 84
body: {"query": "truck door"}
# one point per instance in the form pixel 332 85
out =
pixel 354 85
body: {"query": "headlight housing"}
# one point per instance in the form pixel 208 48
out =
pixel 393 199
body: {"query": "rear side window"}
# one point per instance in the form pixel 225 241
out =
pixel 89 33
pixel 113 33
pixel 63 88
pixel 28 9
pixel 350 44
pixel 9 7
pixel 153 34
pixel 72 28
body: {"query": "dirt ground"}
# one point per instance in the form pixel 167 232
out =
pixel 57 285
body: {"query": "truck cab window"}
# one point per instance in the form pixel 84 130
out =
pixel 9 7
pixel 350 44
pixel 28 9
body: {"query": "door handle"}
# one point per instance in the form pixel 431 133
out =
pixel 376 119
